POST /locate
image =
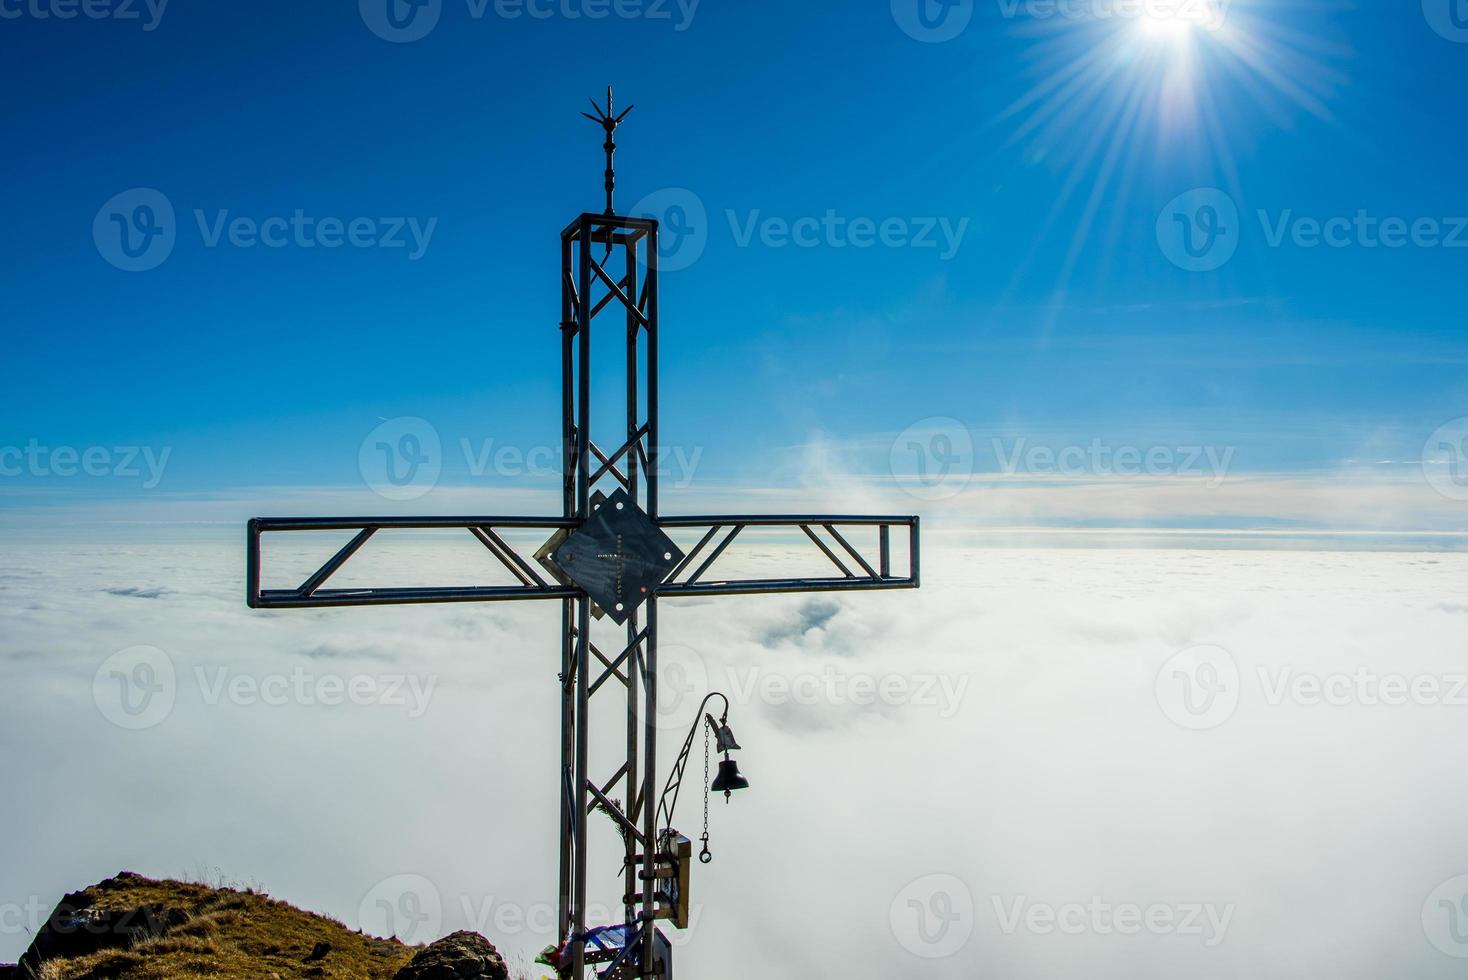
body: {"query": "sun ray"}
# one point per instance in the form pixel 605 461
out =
pixel 1189 86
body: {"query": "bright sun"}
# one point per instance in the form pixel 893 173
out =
pixel 1171 28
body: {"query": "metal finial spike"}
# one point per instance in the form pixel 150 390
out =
pixel 609 120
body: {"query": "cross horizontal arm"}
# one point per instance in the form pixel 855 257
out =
pixel 311 593
pixel 290 599
pixel 692 576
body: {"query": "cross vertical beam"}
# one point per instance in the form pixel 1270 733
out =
pixel 590 250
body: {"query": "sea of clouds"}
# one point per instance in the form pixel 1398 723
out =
pixel 1046 763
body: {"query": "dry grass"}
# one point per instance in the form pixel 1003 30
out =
pixel 229 935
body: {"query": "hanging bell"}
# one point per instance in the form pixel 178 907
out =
pixel 729 779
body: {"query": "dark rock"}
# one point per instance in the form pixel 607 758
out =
pixel 462 956
pixel 76 928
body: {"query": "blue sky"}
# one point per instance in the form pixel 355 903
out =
pixel 1022 170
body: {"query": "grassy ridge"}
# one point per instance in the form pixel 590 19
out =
pixel 225 934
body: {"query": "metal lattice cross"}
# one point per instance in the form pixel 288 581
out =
pixel 609 554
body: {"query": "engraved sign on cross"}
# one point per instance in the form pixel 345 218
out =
pixel 609 555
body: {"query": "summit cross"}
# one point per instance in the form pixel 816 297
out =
pixel 610 555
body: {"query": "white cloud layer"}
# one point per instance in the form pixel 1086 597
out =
pixel 1014 748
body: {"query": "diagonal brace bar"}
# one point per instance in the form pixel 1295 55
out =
pixel 612 668
pixel 616 813
pixel 617 290
pixel 326 571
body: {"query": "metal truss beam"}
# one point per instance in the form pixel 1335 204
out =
pixel 532 585
pixel 311 594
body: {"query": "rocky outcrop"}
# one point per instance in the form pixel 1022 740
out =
pixel 77 927
pixel 461 956
pixel 103 933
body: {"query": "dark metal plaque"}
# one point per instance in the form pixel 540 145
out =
pixel 619 556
